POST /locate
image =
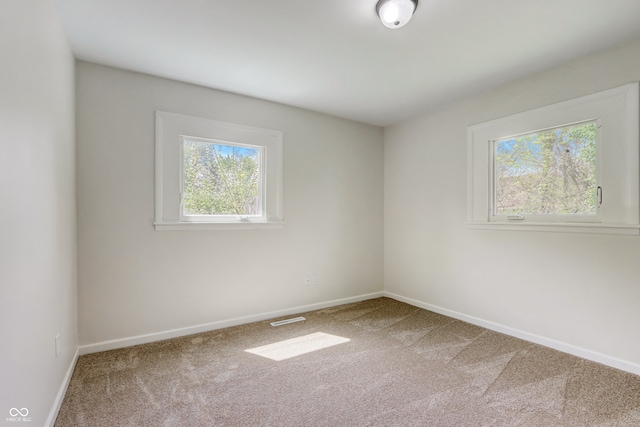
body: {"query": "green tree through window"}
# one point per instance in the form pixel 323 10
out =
pixel 547 173
pixel 221 179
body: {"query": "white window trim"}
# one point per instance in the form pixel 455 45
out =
pixel 617 110
pixel 170 129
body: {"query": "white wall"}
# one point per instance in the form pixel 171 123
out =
pixel 580 290
pixel 135 281
pixel 37 208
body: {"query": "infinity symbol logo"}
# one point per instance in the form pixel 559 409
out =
pixel 14 412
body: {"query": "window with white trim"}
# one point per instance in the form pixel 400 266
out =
pixel 571 166
pixel 215 175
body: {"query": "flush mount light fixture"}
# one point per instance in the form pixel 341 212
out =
pixel 396 13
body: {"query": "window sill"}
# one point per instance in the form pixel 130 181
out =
pixel 615 229
pixel 170 226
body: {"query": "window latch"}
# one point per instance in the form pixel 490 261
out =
pixel 515 217
pixel 599 195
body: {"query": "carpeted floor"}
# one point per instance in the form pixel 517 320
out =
pixel 389 364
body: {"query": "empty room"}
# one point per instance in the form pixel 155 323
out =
pixel 319 213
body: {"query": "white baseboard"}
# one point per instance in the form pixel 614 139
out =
pixel 594 356
pixel 57 403
pixel 206 327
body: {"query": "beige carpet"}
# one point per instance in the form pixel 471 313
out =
pixel 385 364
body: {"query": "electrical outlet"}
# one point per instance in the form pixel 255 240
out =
pixel 57 342
pixel 307 281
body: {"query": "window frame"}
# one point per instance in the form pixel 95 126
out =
pixel 550 218
pixel 171 130
pixel 617 113
pixel 261 217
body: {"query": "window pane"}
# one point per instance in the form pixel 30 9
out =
pixel 221 179
pixel 551 172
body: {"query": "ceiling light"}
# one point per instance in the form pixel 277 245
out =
pixel 396 13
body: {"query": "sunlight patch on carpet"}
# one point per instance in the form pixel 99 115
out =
pixel 293 347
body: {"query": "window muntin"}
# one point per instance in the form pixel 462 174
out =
pixel 221 180
pixel 549 174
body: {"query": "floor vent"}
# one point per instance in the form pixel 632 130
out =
pixel 287 321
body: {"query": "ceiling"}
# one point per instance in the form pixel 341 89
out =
pixel 335 56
